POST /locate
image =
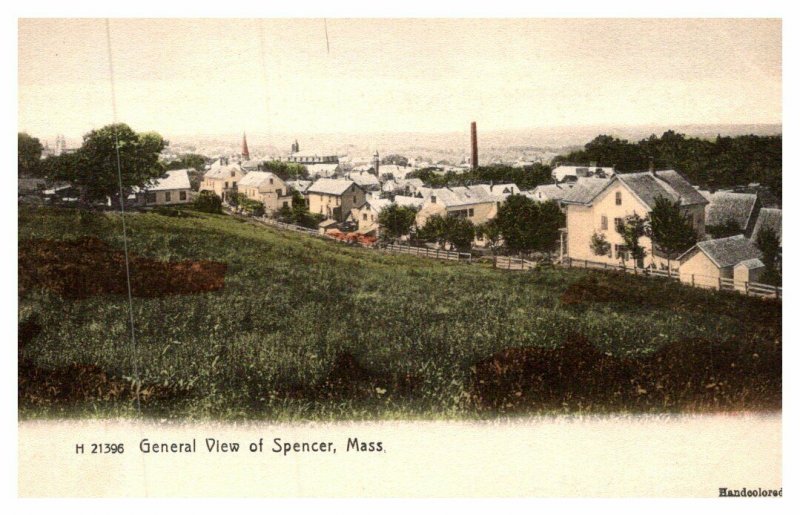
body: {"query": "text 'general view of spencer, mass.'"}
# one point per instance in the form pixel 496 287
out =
pixel 375 276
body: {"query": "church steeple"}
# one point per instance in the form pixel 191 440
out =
pixel 245 150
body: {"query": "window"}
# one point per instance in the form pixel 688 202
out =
pixel 182 195
pixel 617 222
pixel 433 199
pixel 354 199
pixel 233 174
pixel 471 212
pixel 285 204
pixel 167 197
pixel 226 184
pixel 618 197
pixel 279 191
pixel 270 180
pixel 621 252
pixel 604 223
pixel 364 217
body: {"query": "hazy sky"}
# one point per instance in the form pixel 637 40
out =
pixel 262 76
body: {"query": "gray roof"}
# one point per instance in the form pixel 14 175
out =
pixel 299 185
pixel 256 179
pixel 175 180
pixel 751 264
pixel 465 195
pixel 648 186
pixel 550 191
pixel 768 217
pixel 220 171
pixel 330 186
pixel 585 190
pixel 726 252
pixel 728 205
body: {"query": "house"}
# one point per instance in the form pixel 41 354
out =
pixel 594 206
pixel 300 186
pixel 741 208
pixel 267 188
pixel 711 260
pixel 565 173
pixel 322 170
pixel 367 181
pixel 410 186
pixel 768 217
pixel 367 214
pixel 395 171
pixel 251 165
pixel 477 203
pixel 334 198
pixel 175 188
pixel 545 192
pixel 222 178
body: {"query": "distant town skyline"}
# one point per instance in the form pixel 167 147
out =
pixel 395 75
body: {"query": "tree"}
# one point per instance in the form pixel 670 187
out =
pixel 492 233
pixel 670 229
pixel 396 221
pixel 527 225
pixel 729 228
pixel 286 171
pixel 208 202
pixel 29 154
pixel 769 244
pixel 600 245
pixel 632 228
pixel 456 231
pixel 93 168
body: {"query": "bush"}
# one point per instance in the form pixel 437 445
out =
pixel 208 202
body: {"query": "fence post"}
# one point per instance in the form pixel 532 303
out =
pixel 747 288
pixel 585 263
pixel 777 293
pixel 720 282
pixel 692 279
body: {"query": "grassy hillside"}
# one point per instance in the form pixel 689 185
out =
pixel 305 328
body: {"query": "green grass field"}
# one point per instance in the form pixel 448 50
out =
pixel 312 329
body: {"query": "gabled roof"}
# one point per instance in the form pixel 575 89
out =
pixel 585 190
pixel 299 185
pixel 727 205
pixel 401 200
pixel 219 171
pixel 377 205
pixel 768 217
pixel 465 195
pixel 725 252
pixel 551 191
pixel 363 178
pixel 646 186
pixel 257 179
pixel 330 186
pixel 751 264
pixel 175 180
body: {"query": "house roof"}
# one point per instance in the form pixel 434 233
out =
pixel 727 205
pixel 551 191
pixel 256 179
pixel 377 205
pixel 585 190
pixel 648 186
pixel 363 178
pixel 751 264
pixel 464 195
pixel 401 200
pixel 220 171
pixel 768 217
pixel 322 169
pixel 330 186
pixel 175 180
pixel 299 185
pixel 725 252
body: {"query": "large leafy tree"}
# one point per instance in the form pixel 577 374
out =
pixel 29 154
pixel 492 233
pixel 93 168
pixel 527 225
pixel 670 229
pixel 454 231
pixel 396 221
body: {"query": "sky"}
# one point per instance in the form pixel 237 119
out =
pixel 225 76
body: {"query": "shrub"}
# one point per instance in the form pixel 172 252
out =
pixel 208 202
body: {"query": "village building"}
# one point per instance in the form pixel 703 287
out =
pixel 366 216
pixel 367 181
pixel 323 170
pixel 407 201
pixel 334 198
pixel 477 203
pixel 711 260
pixel 222 178
pixel 595 206
pixel 545 192
pixel 267 188
pixel 300 186
pixel 566 173
pixel 741 208
pixel 175 188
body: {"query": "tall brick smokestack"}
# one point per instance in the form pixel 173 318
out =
pixel 474 158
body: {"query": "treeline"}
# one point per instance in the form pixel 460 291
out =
pixel 724 162
pixel 526 178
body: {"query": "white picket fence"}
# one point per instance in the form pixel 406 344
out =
pixel 718 283
pixel 429 253
pixel 512 263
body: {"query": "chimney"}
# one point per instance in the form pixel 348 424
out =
pixel 474 158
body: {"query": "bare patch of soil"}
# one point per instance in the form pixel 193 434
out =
pixel 89 266
pixel 693 376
